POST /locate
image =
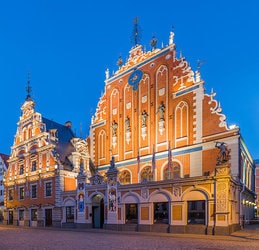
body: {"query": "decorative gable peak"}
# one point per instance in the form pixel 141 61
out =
pixel 27 108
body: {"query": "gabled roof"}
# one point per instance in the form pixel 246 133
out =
pixel 64 135
pixel 5 158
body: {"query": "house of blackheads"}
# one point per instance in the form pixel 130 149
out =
pixel 159 157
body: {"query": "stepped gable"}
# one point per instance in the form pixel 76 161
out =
pixel 183 79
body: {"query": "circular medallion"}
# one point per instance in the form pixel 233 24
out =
pixel 135 78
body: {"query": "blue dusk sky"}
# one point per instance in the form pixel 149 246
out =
pixel 67 46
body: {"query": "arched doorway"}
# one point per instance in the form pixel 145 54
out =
pixel 97 211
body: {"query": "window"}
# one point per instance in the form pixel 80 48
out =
pixel 161 212
pixel 48 189
pixel 21 169
pixel 33 166
pixel 131 213
pixel 196 212
pixel 10 194
pixel 124 177
pixel 173 172
pixel 21 193
pixel 69 214
pixel 1 183
pixel 146 174
pixel 21 214
pixel 34 214
pixel 1 192
pixel 34 191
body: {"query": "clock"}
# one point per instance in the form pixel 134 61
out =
pixel 135 78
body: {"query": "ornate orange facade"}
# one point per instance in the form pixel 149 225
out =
pixel 45 160
pixel 168 109
pixel 162 156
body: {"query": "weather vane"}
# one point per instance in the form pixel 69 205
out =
pixel 136 36
pixel 28 88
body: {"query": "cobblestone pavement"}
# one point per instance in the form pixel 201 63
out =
pixel 12 237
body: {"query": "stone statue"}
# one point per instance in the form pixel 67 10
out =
pixel 127 124
pixel 223 155
pixel 144 116
pixel 114 128
pixel 161 111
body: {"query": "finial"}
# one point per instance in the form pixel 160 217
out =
pixel 107 73
pixel 28 88
pixel 153 42
pixel 171 38
pixel 136 36
pixel 119 61
pixel 199 63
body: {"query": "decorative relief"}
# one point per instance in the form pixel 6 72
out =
pixel 97 179
pixel 222 171
pixel 217 110
pixel 128 105
pixel 177 191
pixel 144 99
pixel 221 197
pixel 161 92
pixel 136 56
pixel 144 193
pixel 114 111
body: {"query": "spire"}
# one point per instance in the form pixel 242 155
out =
pixel 136 36
pixel 28 88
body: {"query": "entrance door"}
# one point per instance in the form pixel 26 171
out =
pixel 10 222
pixel 48 217
pixel 97 212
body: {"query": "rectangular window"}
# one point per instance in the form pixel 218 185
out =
pixel 161 212
pixel 1 192
pixel 21 169
pixel 69 214
pixel 34 191
pixel 48 189
pixel 21 214
pixel 21 193
pixel 196 212
pixel 10 194
pixel 131 213
pixel 33 166
pixel 34 214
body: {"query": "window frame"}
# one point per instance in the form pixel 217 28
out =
pixel 34 214
pixel 131 218
pixel 33 165
pixel 161 212
pixel 10 194
pixel 21 169
pixel 32 191
pixel 21 193
pixel 48 190
pixel 21 214
pixel 195 214
pixel 70 211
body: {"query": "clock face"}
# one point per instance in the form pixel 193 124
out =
pixel 135 78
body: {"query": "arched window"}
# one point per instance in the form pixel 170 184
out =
pixel 146 174
pixel 173 172
pixel 124 177
pixel 181 114
pixel 102 144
